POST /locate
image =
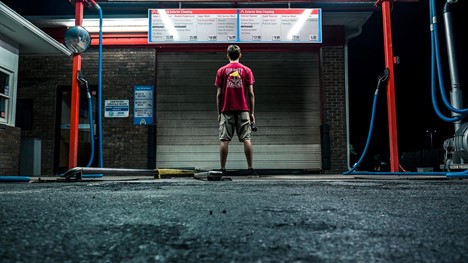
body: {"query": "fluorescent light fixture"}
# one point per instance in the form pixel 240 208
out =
pixel 114 25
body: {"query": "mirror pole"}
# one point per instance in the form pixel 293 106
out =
pixel 75 96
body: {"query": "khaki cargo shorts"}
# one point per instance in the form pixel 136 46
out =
pixel 234 121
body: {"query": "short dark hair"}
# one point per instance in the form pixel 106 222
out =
pixel 233 52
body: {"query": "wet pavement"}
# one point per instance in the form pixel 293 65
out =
pixel 273 219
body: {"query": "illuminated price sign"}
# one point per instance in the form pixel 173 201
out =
pixel 192 25
pixel 235 25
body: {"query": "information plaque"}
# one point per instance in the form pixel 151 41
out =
pixel 143 105
pixel 234 25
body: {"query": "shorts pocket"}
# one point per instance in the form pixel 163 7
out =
pixel 245 117
pixel 221 130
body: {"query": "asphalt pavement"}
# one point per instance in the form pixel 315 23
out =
pixel 272 219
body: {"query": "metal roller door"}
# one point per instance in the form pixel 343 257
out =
pixel 287 111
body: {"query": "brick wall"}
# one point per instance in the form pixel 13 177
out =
pixel 124 145
pixel 333 104
pixel 9 150
pixel 38 79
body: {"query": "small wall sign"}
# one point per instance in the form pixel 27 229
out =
pixel 116 108
pixel 144 105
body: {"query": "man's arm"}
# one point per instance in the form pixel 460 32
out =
pixel 219 99
pixel 252 103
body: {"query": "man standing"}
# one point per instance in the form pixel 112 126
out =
pixel 235 101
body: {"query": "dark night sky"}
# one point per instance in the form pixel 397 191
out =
pixel 412 44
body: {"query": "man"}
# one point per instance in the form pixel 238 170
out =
pixel 235 101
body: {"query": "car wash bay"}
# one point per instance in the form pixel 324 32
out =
pixel 287 109
pixel 287 96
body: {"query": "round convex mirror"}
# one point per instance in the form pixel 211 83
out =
pixel 77 39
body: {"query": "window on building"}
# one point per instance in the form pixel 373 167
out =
pixel 6 81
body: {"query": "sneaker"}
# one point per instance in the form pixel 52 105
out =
pixel 252 173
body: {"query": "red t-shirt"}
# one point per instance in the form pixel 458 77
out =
pixel 234 78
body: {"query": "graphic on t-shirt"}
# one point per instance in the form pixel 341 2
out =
pixel 234 80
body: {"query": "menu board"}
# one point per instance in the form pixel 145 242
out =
pixel 192 25
pixel 234 25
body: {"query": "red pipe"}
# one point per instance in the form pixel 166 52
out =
pixel 391 103
pixel 75 95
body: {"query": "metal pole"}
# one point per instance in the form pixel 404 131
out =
pixel 391 103
pixel 75 95
pixel 456 94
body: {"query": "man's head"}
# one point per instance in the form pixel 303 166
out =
pixel 233 52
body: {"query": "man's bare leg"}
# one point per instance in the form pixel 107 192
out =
pixel 223 153
pixel 248 150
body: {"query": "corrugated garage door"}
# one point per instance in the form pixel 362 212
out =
pixel 287 111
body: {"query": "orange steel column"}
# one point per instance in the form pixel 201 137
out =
pixel 75 95
pixel 391 104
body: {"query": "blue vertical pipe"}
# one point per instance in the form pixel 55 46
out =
pixel 99 108
pixel 91 126
pixel 101 159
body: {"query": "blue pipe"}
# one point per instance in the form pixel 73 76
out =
pixel 92 175
pixel 371 125
pixel 12 179
pixel 91 127
pixel 90 118
pixel 99 120
pixel 458 174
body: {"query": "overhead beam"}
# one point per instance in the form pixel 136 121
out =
pixel 256 1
